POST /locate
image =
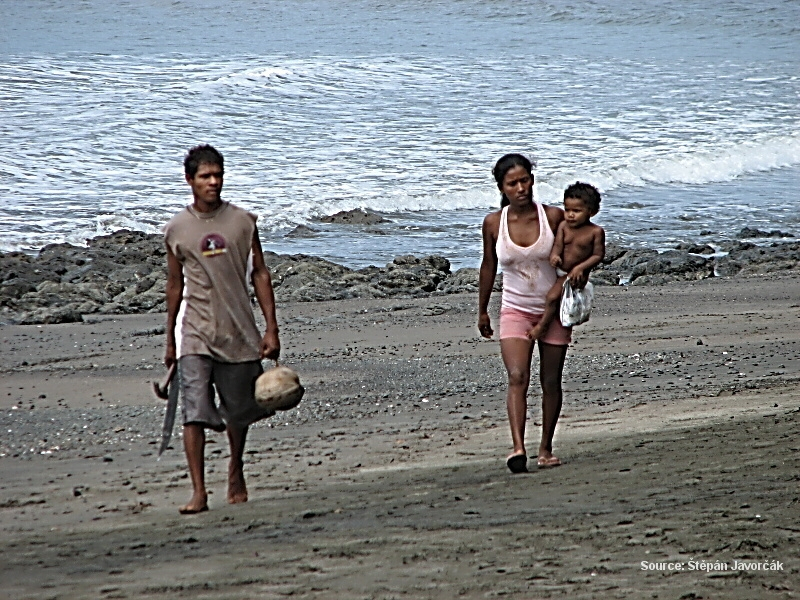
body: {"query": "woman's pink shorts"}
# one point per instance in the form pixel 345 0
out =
pixel 516 324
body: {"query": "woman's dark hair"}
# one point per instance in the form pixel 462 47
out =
pixel 199 155
pixel 504 165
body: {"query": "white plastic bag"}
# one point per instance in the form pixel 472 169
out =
pixel 576 305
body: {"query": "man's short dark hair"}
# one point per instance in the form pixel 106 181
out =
pixel 199 155
pixel 586 192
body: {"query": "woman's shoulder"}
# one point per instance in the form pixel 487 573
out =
pixel 491 224
pixel 553 210
pixel 493 217
pixel 554 215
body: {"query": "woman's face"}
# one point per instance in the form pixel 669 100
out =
pixel 518 185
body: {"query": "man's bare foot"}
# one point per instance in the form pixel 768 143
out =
pixel 535 332
pixel 237 490
pixel 198 504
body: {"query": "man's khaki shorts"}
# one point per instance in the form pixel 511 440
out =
pixel 199 376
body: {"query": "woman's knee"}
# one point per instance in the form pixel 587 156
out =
pixel 519 377
pixel 551 384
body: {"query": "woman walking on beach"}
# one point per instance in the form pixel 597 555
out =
pixel 519 237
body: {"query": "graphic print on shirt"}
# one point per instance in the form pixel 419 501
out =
pixel 213 244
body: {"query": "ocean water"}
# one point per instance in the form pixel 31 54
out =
pixel 685 114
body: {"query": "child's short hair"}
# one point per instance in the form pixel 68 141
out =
pixel 586 192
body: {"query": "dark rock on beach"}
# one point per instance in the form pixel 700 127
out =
pixel 749 259
pixel 750 232
pixel 613 252
pixel 302 231
pixel 604 277
pixel 354 217
pixel 669 266
pixel 306 278
pixel 125 273
pixel 696 248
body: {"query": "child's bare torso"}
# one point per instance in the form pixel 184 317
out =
pixel 579 244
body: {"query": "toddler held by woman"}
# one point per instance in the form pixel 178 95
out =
pixel 580 245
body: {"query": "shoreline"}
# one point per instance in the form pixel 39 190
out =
pixel 125 273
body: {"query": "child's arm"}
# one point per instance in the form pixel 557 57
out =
pixel 579 274
pixel 558 247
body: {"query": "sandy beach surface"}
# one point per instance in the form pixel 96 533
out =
pixel 679 437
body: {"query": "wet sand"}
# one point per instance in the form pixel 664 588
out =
pixel 679 438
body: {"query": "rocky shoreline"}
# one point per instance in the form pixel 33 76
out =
pixel 125 273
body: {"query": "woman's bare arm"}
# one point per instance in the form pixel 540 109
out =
pixel 487 272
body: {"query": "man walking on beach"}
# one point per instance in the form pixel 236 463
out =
pixel 212 247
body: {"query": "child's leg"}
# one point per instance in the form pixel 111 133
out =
pixel 552 304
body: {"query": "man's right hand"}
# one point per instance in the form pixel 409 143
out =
pixel 169 355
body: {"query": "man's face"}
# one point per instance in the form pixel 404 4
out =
pixel 206 184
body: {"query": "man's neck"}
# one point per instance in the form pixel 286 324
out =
pixel 206 207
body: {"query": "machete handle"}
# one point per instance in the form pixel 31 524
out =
pixel 162 389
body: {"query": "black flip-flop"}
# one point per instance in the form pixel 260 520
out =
pixel 517 463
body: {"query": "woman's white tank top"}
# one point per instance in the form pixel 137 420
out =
pixel 527 273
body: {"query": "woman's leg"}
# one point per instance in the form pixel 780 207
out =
pixel 551 365
pixel 516 353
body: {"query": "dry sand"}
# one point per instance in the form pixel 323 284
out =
pixel 679 439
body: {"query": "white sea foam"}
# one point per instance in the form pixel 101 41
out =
pixel 696 166
pixel 279 218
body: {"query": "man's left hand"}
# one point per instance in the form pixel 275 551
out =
pixel 270 345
